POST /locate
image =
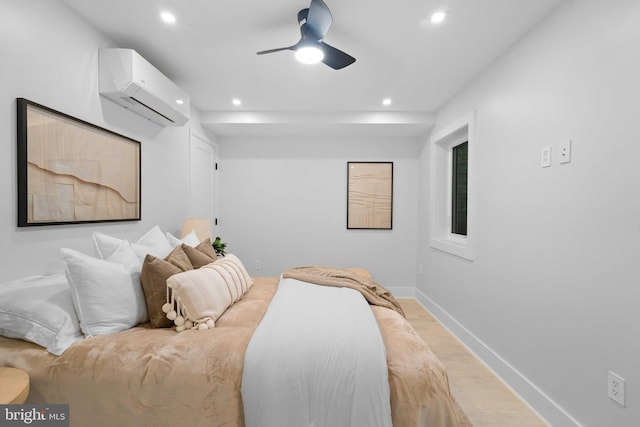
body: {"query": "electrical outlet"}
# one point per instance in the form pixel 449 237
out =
pixel 258 264
pixel 616 388
pixel 565 151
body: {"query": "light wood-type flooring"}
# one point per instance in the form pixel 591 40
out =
pixel 483 397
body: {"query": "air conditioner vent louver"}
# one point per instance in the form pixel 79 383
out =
pixel 128 79
pixel 127 100
pixel 152 110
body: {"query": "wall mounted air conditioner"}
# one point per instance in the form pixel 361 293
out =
pixel 128 79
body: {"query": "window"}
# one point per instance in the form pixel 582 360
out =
pixel 460 164
pixel 451 225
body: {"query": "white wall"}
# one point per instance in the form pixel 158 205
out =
pixel 283 202
pixel 554 289
pixel 49 56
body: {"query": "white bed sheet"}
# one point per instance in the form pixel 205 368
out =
pixel 316 359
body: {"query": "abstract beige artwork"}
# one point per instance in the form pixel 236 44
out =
pixel 75 171
pixel 370 195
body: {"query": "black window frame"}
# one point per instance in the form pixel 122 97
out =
pixel 459 188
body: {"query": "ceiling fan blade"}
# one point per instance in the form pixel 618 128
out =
pixel 335 58
pixel 319 18
pixel 263 52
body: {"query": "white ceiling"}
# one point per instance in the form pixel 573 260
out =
pixel 210 53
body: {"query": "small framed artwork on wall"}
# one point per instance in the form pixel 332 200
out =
pixel 370 195
pixel 70 171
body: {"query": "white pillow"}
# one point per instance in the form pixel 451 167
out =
pixel 40 309
pixel 234 285
pixel 198 298
pixel 156 241
pixel 153 242
pixel 105 244
pixel 236 261
pixel 107 294
pixel 190 239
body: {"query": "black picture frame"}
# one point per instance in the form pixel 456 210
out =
pixel 71 171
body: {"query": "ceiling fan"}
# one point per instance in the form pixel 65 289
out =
pixel 314 23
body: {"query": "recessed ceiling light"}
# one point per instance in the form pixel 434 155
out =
pixel 386 101
pixel 179 101
pixel 168 17
pixel 236 102
pixel 438 17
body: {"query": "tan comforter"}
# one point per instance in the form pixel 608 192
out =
pixel 157 377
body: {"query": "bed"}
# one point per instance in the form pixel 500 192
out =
pixel 147 376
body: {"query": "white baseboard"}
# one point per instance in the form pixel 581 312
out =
pixel 535 398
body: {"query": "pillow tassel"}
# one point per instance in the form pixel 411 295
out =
pixel 180 318
pixel 166 308
pixel 177 312
pixel 169 307
pixel 204 324
pixel 180 302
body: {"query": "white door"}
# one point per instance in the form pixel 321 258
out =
pixel 202 180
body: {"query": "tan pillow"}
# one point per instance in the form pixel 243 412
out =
pixel 155 272
pixel 179 258
pixel 198 298
pixel 206 248
pixel 197 258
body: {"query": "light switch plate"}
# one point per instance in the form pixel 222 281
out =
pixel 545 159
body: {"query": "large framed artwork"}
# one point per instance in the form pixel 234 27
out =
pixel 370 195
pixel 71 171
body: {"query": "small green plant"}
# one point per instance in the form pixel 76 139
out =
pixel 219 246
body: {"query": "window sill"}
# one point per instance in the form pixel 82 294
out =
pixel 458 246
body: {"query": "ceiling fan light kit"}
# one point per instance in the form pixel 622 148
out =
pixel 309 55
pixel 314 23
